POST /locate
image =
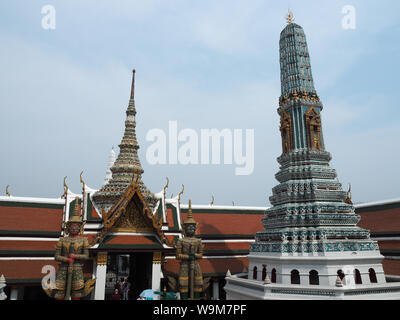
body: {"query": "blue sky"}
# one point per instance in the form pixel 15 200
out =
pixel 208 64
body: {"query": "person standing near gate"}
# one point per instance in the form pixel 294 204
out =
pixel 125 289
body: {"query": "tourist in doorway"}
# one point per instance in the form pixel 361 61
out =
pixel 126 286
pixel 118 286
pixel 116 295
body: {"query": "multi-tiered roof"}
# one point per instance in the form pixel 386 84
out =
pixel 127 167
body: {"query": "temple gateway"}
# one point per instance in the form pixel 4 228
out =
pixel 310 244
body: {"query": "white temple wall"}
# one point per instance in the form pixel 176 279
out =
pixel 327 268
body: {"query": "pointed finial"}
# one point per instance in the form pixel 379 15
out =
pixel 190 218
pixel 212 200
pixel 83 182
pixel 166 186
pixel 228 273
pixel 180 193
pixel 348 196
pixel 267 280
pixel 76 216
pixel 7 192
pixel 64 195
pixel 289 17
pixel 133 85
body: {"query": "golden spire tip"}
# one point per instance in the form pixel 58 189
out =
pixel 289 17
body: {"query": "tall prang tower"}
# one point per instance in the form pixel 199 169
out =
pixel 311 246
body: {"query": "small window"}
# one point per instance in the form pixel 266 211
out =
pixel 255 273
pixel 264 273
pixel 295 277
pixel 357 276
pixel 372 276
pixel 273 275
pixel 314 277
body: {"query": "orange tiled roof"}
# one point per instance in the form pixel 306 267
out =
pixel 227 224
pixel 25 218
pixel 211 266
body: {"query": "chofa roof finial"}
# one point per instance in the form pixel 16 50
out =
pixel 83 182
pixel 180 193
pixel 65 188
pixel 7 192
pixel 166 187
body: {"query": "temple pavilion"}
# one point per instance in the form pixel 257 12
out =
pixel 132 231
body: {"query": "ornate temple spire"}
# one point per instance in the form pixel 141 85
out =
pixel 127 166
pixel 299 104
pixel 295 65
pixel 310 228
pixel 308 195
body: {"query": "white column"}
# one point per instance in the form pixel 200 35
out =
pixel 156 273
pixel 14 293
pixel 215 289
pixel 101 271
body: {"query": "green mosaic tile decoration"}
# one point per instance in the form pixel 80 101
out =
pixel 309 210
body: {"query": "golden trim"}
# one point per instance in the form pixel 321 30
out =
pixel 131 229
pixel 289 17
pixel 119 208
pixel 102 258
pixel 286 129
pixel 157 256
pixel 348 196
pixel 313 129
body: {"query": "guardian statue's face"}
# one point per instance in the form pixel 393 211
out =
pixel 190 229
pixel 74 228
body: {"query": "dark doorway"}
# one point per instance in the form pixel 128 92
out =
pixel 136 267
pixel 140 272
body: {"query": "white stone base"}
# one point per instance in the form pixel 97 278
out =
pixel 239 288
pixel 326 265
